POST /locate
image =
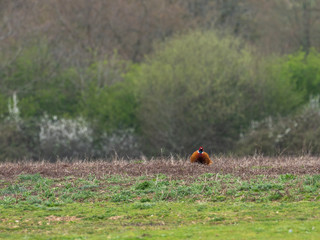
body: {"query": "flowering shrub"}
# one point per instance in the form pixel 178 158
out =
pixel 75 138
pixel 296 135
pixel 64 137
pixel 52 137
pixel 122 143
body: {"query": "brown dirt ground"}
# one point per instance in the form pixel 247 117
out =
pixel 174 168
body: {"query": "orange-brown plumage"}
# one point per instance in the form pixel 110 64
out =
pixel 200 156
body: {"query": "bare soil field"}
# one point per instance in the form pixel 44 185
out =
pixel 174 168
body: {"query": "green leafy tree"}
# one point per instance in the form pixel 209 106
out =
pixel 108 100
pixel 111 107
pixel 202 89
pixel 42 85
pixel 303 72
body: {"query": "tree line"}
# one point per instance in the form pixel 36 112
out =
pixel 98 78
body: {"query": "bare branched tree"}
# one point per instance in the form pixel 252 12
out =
pixel 287 25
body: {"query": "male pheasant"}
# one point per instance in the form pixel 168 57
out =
pixel 200 157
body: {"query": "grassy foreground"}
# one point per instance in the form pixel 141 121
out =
pixel 205 205
pixel 162 220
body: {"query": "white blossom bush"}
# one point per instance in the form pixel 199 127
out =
pixel 65 137
pixel 50 137
pixel 122 143
pixel 295 135
pixel 76 138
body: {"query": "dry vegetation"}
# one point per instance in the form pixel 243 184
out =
pixel 174 168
